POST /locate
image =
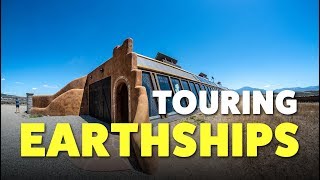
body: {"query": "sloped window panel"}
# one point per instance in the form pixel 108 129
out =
pixel 198 91
pixel 165 85
pixel 177 87
pixel 185 85
pixel 147 83
pixel 202 87
pixel 202 79
pixel 194 91
pixel 197 88
pixel 208 94
pixel 156 65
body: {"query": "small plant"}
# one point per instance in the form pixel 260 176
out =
pixel 199 121
pixel 185 120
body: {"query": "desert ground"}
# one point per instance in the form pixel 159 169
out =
pixel 304 165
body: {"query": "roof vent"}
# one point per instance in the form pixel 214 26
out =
pixel 203 75
pixel 167 59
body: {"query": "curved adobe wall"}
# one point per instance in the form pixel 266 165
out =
pixel 44 101
pixel 68 103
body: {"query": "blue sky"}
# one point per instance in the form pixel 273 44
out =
pixel 265 44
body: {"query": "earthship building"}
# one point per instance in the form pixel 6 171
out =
pixel 120 90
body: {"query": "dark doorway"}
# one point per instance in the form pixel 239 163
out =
pixel 100 100
pixel 122 111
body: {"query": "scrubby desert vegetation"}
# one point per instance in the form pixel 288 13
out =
pixel 305 164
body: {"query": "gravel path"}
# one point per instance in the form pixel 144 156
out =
pixel 304 165
pixel 12 165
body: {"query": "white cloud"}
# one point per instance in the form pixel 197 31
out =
pixel 51 87
pixel 267 86
pixel 19 82
pixel 34 88
pixel 3 79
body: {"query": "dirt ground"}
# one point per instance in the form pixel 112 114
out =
pixel 304 165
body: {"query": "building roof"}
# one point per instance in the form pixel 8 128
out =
pixel 203 75
pixel 166 59
pixel 150 64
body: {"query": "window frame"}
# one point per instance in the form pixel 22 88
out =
pixel 171 87
pixel 154 86
pixel 180 84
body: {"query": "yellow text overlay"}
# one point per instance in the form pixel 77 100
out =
pixel 223 137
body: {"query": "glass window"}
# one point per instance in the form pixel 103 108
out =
pixel 147 83
pixel 208 94
pixel 185 85
pixel 202 87
pixel 165 85
pixel 194 91
pixel 198 88
pixel 177 87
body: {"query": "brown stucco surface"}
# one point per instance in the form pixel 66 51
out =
pixel 122 68
pixel 44 101
pixel 67 103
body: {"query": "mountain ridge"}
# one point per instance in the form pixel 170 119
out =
pixel 295 89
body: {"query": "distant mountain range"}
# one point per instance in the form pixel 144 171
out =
pixel 299 89
pixel 296 89
pixel 8 96
pixel 11 99
pixel 251 89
